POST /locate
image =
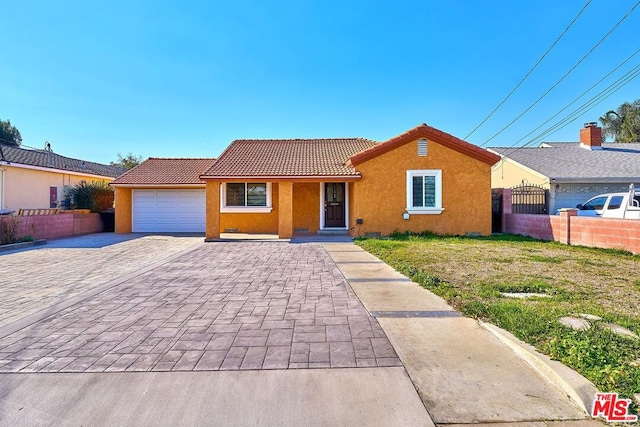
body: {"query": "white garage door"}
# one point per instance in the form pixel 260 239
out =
pixel 168 210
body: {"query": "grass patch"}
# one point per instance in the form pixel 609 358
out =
pixel 542 258
pixel 471 273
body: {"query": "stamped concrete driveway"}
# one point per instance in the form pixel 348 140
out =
pixel 219 306
pixel 34 279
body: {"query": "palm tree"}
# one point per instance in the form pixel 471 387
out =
pixel 624 123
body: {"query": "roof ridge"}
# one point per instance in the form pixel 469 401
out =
pixel 288 157
pixel 304 139
pixel 426 131
pixel 34 156
pixel 181 158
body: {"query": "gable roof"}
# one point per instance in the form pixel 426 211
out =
pixel 568 160
pixel 288 158
pixel 426 131
pixel 166 171
pixel 50 160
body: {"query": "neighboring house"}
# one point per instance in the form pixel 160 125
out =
pixel 422 180
pixel 572 172
pixel 161 195
pixel 40 179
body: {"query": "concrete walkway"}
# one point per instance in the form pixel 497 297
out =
pixel 463 373
pixel 301 397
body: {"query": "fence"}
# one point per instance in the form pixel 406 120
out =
pixel 54 226
pixel 572 229
pixel 530 199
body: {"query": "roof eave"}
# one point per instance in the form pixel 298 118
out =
pixel 594 180
pixel 275 178
pixel 55 170
pixel 130 185
pixel 425 131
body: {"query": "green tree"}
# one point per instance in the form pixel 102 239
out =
pixel 623 124
pixel 9 134
pixel 127 162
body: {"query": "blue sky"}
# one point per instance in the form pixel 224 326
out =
pixel 183 79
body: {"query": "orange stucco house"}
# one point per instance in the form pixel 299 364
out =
pixel 421 180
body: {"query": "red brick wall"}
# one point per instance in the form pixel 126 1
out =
pixel 57 226
pixel 87 223
pixel 537 226
pixel 575 230
pixel 606 233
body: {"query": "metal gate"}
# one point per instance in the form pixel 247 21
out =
pixel 496 210
pixel 529 199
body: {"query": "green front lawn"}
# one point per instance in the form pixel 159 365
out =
pixel 472 272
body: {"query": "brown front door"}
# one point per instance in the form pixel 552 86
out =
pixel 334 204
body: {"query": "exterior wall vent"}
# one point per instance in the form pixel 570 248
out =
pixel 422 147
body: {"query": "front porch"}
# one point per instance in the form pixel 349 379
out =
pixel 296 238
pixel 298 209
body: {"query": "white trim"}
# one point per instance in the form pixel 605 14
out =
pixel 425 211
pixel 2 179
pixel 62 171
pixel 432 210
pixel 111 184
pixel 346 208
pixel 244 209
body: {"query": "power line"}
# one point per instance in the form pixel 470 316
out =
pixel 529 72
pixel 610 90
pixel 578 97
pixel 601 96
pixel 564 76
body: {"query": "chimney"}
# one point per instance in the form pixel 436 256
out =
pixel 591 136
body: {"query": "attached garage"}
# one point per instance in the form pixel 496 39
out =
pixel 162 196
pixel 168 210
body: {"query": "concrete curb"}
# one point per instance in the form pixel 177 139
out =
pixel 579 389
pixel 22 245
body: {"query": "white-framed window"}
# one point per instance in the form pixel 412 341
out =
pixel 424 191
pixel 245 197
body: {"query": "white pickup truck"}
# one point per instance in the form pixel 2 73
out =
pixel 612 205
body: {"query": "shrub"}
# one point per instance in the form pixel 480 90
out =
pixel 96 196
pixel 9 226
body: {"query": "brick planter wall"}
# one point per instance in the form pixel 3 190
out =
pixel 57 226
pixel 87 223
pixel 606 233
pixel 572 229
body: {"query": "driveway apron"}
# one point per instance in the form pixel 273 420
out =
pixel 222 306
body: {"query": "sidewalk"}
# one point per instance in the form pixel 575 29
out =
pixel 463 373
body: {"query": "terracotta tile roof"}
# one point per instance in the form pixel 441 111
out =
pixel 49 159
pixel 426 131
pixel 165 171
pixel 288 158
